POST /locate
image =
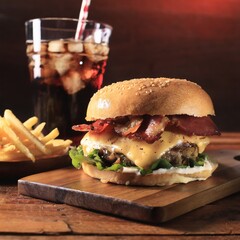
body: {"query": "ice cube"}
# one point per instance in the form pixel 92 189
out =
pixel 61 62
pixel 72 82
pixel 56 46
pixel 75 47
pixel 103 49
pixel 31 48
pixel 98 49
pixel 96 52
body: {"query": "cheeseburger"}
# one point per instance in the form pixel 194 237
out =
pixel 150 131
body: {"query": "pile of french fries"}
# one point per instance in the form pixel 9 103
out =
pixel 25 141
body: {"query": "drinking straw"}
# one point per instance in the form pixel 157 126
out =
pixel 82 16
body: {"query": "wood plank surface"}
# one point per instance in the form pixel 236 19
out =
pixel 221 218
pixel 65 237
pixel 153 204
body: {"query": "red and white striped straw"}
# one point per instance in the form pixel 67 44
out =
pixel 82 16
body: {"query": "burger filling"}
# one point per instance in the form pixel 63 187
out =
pixel 146 143
pixel 181 156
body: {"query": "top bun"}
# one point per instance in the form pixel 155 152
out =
pixel 152 96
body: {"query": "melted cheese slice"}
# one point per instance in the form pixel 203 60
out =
pixel 140 152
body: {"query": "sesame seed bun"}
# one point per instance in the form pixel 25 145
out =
pixel 152 96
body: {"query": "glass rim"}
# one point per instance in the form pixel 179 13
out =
pixel 67 19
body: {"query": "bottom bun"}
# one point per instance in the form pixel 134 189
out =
pixel 160 177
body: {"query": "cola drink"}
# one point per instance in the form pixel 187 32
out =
pixel 64 75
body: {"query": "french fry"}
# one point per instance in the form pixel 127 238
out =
pixel 38 130
pixel 58 143
pixel 20 128
pixel 30 122
pixel 8 148
pixel 22 141
pixel 52 135
pixel 15 139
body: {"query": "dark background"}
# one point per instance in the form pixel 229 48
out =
pixel 198 40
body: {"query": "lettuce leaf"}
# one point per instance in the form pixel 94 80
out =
pixel 114 167
pixel 76 154
pixel 161 163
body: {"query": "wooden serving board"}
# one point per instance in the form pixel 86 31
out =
pixel 148 204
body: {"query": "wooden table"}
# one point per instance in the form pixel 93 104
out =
pixel 23 217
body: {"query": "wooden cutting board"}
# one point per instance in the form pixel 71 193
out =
pixel 148 204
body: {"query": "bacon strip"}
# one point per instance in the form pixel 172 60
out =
pixel 150 128
pixel 189 125
pixel 129 127
pixel 156 125
pixel 98 126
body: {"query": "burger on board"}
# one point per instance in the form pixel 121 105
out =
pixel 149 131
